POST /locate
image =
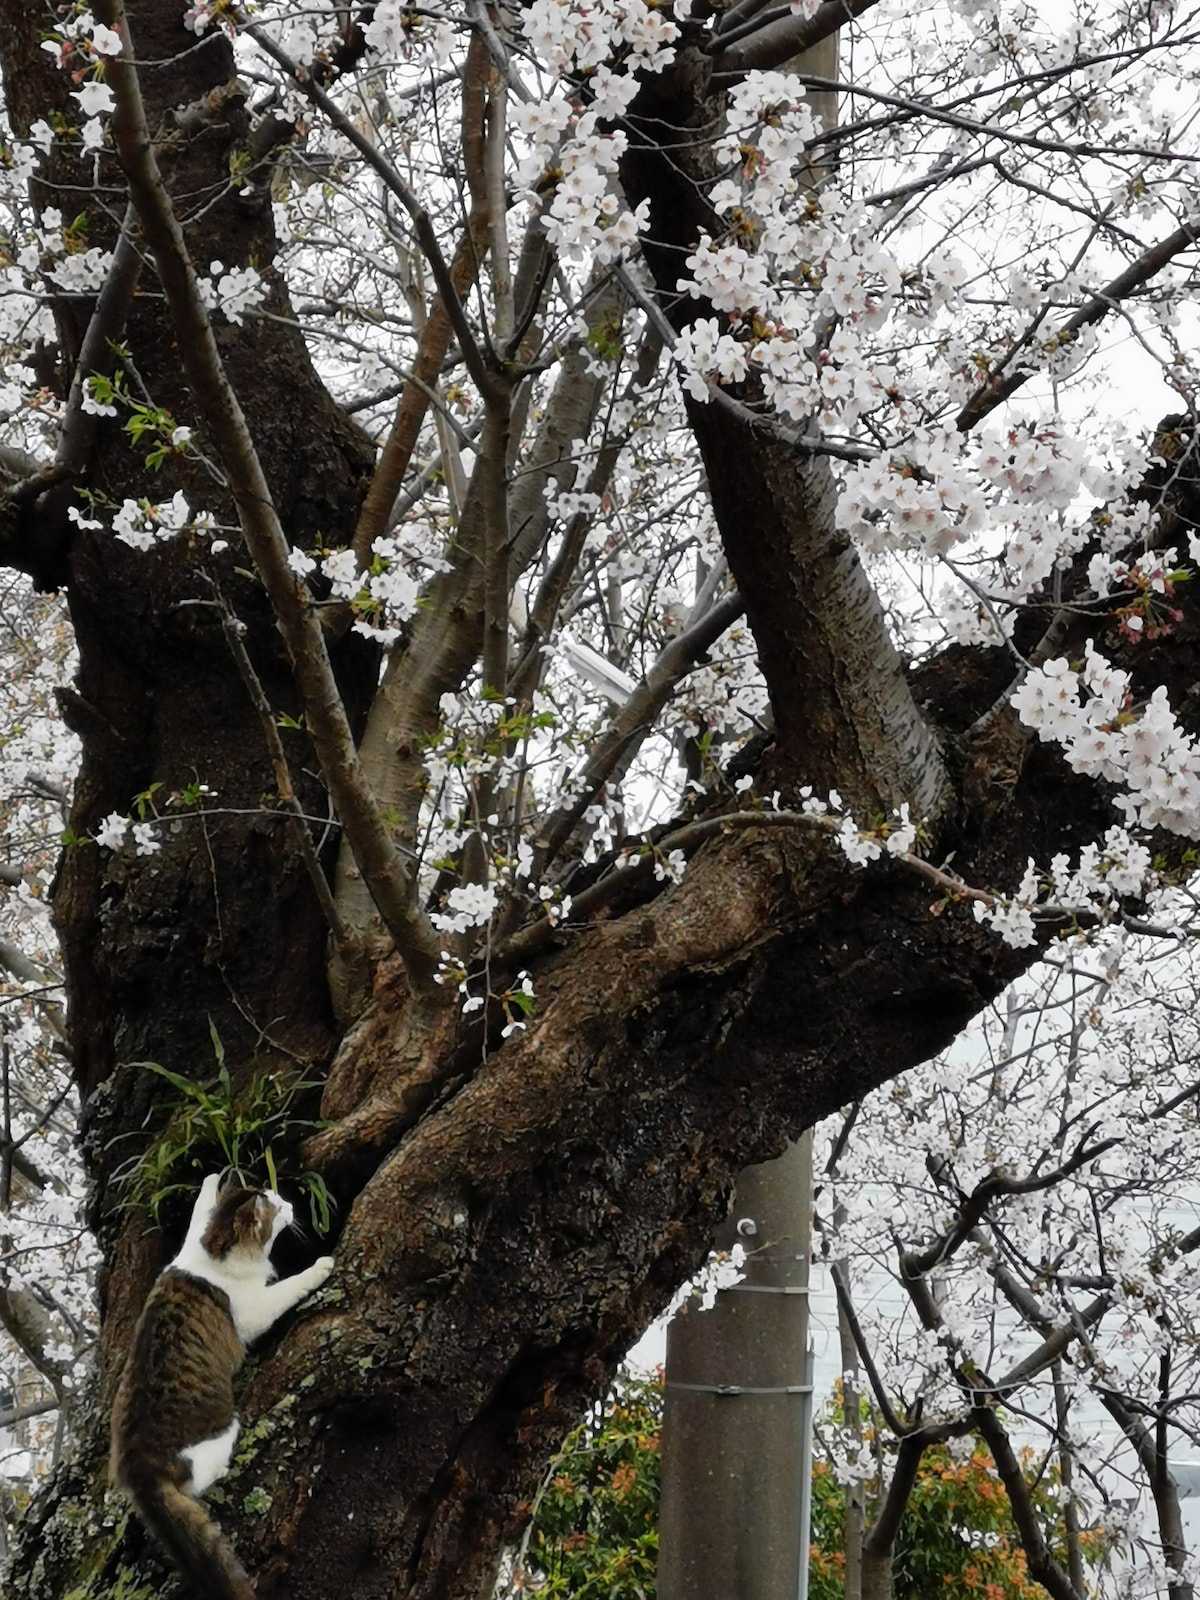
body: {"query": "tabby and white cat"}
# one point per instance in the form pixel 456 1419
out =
pixel 173 1425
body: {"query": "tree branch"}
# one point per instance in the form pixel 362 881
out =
pixel 14 959
pixel 996 390
pixel 105 325
pixel 35 1408
pixel 435 336
pixel 744 44
pixel 233 630
pixel 1042 1565
pixel 635 718
pixel 27 1324
pixel 1163 1487
pixel 422 225
pixel 844 711
pixel 882 1399
pixel 995 1185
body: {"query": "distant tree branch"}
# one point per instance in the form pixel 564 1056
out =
pixel 1042 1565
pixel 746 40
pixel 1135 276
pixel 1156 1465
pixel 436 335
pixel 989 130
pixel 27 1323
pixel 913 1264
pixel 845 1300
pixel 25 970
pixel 419 216
pixel 635 718
pixel 35 1408
pixel 1057 1338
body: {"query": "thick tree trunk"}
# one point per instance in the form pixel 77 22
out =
pixel 514 1243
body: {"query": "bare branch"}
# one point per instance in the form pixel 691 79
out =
pixel 96 357
pixel 422 226
pixel 497 49
pixel 1042 1565
pixel 436 335
pixel 746 42
pixel 631 724
pixel 1135 276
pixel 846 1306
pixel 233 631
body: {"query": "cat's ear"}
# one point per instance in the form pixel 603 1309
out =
pixel 265 1211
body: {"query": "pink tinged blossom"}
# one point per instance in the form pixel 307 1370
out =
pixel 105 41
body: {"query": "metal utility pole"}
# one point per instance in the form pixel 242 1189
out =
pixel 737 1430
pixel 737 1425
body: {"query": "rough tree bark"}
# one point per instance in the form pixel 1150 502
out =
pixel 512 1213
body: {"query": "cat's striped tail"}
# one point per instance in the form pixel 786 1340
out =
pixel 196 1546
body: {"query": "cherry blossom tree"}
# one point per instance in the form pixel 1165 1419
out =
pixel 47 1323
pixel 1031 1201
pixel 613 618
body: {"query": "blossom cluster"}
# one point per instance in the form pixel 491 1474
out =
pixel 469 905
pixel 84 44
pixel 584 36
pixel 895 838
pixel 585 213
pixel 1089 711
pixel 115 830
pixel 142 524
pixel 586 216
pixel 517 1001
pixel 385 595
pixel 1118 867
pixel 231 290
pixel 395 30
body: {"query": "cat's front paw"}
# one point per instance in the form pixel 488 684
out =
pixel 319 1271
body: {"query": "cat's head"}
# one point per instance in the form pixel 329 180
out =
pixel 245 1221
